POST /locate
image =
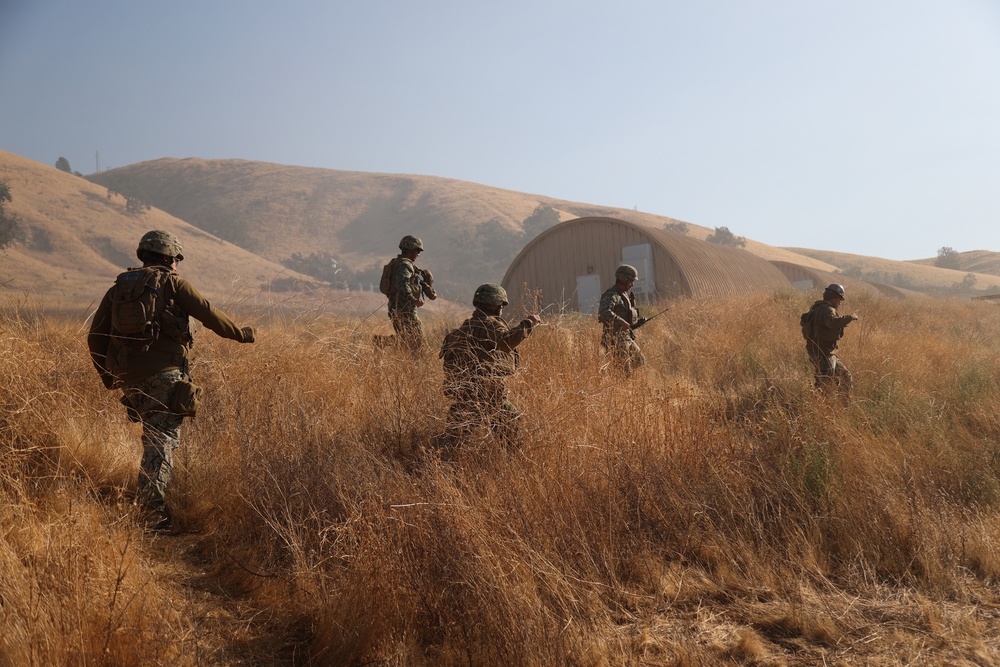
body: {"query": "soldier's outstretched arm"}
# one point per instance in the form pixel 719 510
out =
pixel 198 307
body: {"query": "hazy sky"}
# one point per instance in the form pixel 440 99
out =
pixel 865 126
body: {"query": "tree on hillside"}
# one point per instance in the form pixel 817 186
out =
pixel 947 258
pixel 134 207
pixel 543 217
pixel 62 164
pixel 10 225
pixel 320 265
pixel 967 285
pixel 481 254
pixel 723 236
pixel 677 227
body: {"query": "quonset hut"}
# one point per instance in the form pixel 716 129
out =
pixel 572 263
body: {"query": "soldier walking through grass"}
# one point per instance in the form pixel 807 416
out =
pixel 406 286
pixel 477 357
pixel 139 341
pixel 822 327
pixel 618 314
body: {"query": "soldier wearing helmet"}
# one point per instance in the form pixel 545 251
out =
pixel 139 342
pixel 406 291
pixel 825 328
pixel 619 316
pixel 477 357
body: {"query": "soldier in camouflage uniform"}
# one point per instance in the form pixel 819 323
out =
pixel 826 329
pixel 150 371
pixel 409 287
pixel 619 316
pixel 477 357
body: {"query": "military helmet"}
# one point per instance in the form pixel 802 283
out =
pixel 161 242
pixel 626 272
pixel 490 294
pixel 409 242
pixel 834 289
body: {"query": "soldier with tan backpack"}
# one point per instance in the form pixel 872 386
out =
pixel 139 341
pixel 406 286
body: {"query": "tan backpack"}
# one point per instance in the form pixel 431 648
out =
pixel 137 305
pixel 386 284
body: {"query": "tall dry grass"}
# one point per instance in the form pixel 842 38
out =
pixel 712 510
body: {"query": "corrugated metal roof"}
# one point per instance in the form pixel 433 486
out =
pixel 894 292
pixel 682 266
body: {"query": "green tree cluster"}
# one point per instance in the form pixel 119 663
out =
pixel 543 217
pixel 62 164
pixel 480 252
pixel 948 258
pixel 723 236
pixel 10 225
pixel 134 207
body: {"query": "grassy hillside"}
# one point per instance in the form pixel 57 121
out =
pixel 918 275
pixel 77 240
pixel 472 232
pixel 248 224
pixel 712 511
pixel 977 261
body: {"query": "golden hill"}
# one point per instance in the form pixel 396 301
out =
pixel 243 221
pixel 918 275
pixel 471 231
pixel 977 261
pixel 77 240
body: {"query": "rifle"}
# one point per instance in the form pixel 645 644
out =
pixel 643 320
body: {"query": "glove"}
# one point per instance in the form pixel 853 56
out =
pixel 248 334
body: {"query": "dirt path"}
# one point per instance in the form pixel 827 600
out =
pixel 226 628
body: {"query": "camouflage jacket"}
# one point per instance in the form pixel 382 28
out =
pixel 405 286
pixel 617 307
pixel 488 345
pixel 123 366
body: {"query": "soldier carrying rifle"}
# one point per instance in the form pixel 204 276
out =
pixel 406 286
pixel 620 318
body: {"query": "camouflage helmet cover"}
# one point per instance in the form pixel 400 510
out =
pixel 491 294
pixel 834 289
pixel 626 272
pixel 161 242
pixel 410 242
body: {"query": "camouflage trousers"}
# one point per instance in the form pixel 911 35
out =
pixel 484 404
pixel 830 373
pixel 624 351
pixel 409 329
pixel 161 433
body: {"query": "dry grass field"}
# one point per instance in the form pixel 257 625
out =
pixel 710 511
